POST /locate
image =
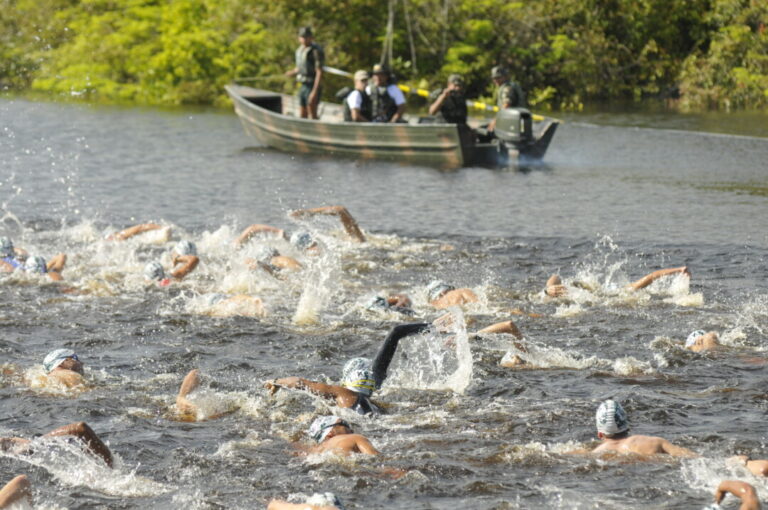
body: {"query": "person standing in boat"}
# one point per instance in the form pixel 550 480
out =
pixel 357 105
pixel 508 94
pixel 387 100
pixel 310 59
pixel 450 107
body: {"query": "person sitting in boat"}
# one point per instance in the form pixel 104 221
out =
pixel 508 94
pixel 450 106
pixel 310 59
pixel 357 105
pixel 349 223
pixel 360 376
pixel 184 253
pixel 555 288
pixel 387 100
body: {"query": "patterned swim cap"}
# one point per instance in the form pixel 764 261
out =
pixel 693 336
pixel 437 288
pixel 378 303
pixel 185 248
pixel 154 271
pixel 322 426
pixel 6 247
pixel 355 364
pixel 325 499
pixel 35 264
pixel 302 240
pixel 611 418
pixel 55 358
pixel 359 380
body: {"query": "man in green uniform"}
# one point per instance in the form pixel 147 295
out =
pixel 310 59
pixel 508 95
pixel 451 105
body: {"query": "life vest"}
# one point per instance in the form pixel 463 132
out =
pixel 454 109
pixel 366 106
pixel 307 61
pixel 382 104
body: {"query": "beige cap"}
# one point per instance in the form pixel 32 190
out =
pixel 361 75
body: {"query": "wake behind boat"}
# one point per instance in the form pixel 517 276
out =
pixel 268 116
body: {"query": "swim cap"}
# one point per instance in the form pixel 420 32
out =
pixel 326 499
pixel 214 298
pixel 302 240
pixel 154 271
pixel 322 426
pixel 185 248
pixel 437 288
pixel 693 336
pixel 359 380
pixel 35 264
pixel 6 247
pixel 355 364
pixel 55 358
pixel 611 418
pixel 378 303
pixel 265 253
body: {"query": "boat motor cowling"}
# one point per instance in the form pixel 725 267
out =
pixel 514 125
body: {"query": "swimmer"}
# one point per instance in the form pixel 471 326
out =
pixel 444 324
pixel 742 490
pixel 613 430
pixel 326 501
pixel 349 223
pixel 441 295
pixel 37 264
pixel 270 260
pixel 755 466
pixel 398 303
pixel 184 253
pixel 139 229
pixel 11 257
pixel 79 430
pixel 17 490
pixel 360 376
pixel 243 305
pixel 64 367
pixel 699 341
pixel 188 411
pixel 336 435
pixel 555 288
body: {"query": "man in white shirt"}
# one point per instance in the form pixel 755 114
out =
pixel 357 105
pixel 387 100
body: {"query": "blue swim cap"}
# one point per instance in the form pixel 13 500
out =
pixel 185 248
pixel 35 264
pixel 154 271
pixel 6 247
pixel 55 358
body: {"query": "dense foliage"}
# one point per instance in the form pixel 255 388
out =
pixel 714 53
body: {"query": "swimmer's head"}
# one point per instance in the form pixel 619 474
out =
pixel 325 499
pixel 6 247
pixel 154 271
pixel 377 303
pixel 35 264
pixel 611 419
pixel 265 253
pixel 359 380
pixel 214 298
pixel 303 240
pixel 324 425
pixel 437 288
pixel 55 358
pixel 355 364
pixel 185 248
pixel 691 340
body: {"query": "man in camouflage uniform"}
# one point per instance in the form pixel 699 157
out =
pixel 450 106
pixel 310 59
pixel 508 95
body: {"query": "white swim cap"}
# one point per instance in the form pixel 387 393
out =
pixel 55 358
pixel 325 499
pixel 35 264
pixel 359 380
pixel 265 253
pixel 437 288
pixel 693 336
pixel 6 247
pixel 185 248
pixel 377 303
pixel 355 364
pixel 611 418
pixel 302 240
pixel 154 271
pixel 322 426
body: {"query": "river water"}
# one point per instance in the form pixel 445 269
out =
pixel 619 196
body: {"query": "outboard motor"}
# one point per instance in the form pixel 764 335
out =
pixel 514 126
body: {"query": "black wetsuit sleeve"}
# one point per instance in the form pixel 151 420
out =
pixel 389 347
